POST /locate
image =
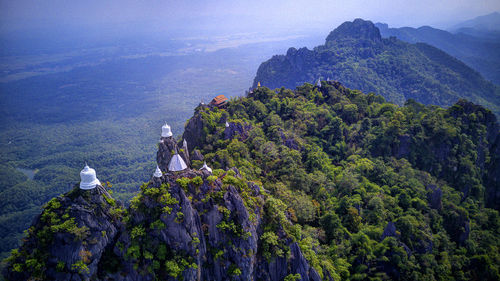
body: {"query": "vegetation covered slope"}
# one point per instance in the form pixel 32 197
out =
pixel 481 54
pixel 357 55
pixel 330 183
pixel 380 191
pixel 187 225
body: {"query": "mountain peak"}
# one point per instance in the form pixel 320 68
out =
pixel 357 29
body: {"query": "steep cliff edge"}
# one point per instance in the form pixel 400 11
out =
pixel 68 239
pixel 186 225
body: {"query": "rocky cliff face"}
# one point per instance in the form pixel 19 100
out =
pixel 188 225
pixel 67 241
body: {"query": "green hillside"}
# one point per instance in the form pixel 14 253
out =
pixel 356 54
pixel 379 191
pixel 478 52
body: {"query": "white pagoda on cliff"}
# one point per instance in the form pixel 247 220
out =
pixel 157 173
pixel 88 178
pixel 176 163
pixel 166 131
pixel 205 167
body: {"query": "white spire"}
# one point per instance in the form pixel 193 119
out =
pixel 205 167
pixel 328 79
pixel 318 83
pixel 176 163
pixel 88 178
pixel 184 144
pixel 165 131
pixel 157 173
pixel 227 124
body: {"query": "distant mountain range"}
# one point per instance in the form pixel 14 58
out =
pixel 356 54
pixel 476 45
pixel 490 22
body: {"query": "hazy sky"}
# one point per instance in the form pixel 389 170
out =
pixel 240 15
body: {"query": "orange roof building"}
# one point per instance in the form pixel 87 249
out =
pixel 219 101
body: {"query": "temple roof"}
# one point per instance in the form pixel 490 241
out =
pixel 219 100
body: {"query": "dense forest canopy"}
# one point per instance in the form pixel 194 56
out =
pixel 379 191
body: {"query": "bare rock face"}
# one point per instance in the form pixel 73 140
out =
pixel 456 223
pixel 289 142
pixel 403 148
pixel 434 197
pixel 167 147
pixel 237 130
pixel 197 155
pixel 186 225
pixel 207 231
pixel 193 132
pixel 184 152
pixel 68 239
pixel 389 231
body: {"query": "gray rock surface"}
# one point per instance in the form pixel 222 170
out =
pixel 237 130
pixel 97 229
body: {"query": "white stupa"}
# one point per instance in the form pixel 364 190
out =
pixel 205 167
pixel 318 83
pixel 88 178
pixel 157 173
pixel 176 163
pixel 165 131
pixel 227 124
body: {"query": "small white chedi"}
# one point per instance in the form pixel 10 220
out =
pixel 88 178
pixel 176 163
pixel 166 131
pixel 205 167
pixel 157 173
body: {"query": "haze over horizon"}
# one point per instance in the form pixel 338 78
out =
pixel 226 17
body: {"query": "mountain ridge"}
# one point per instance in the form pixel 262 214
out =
pixel 477 52
pixel 355 55
pixel 487 22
